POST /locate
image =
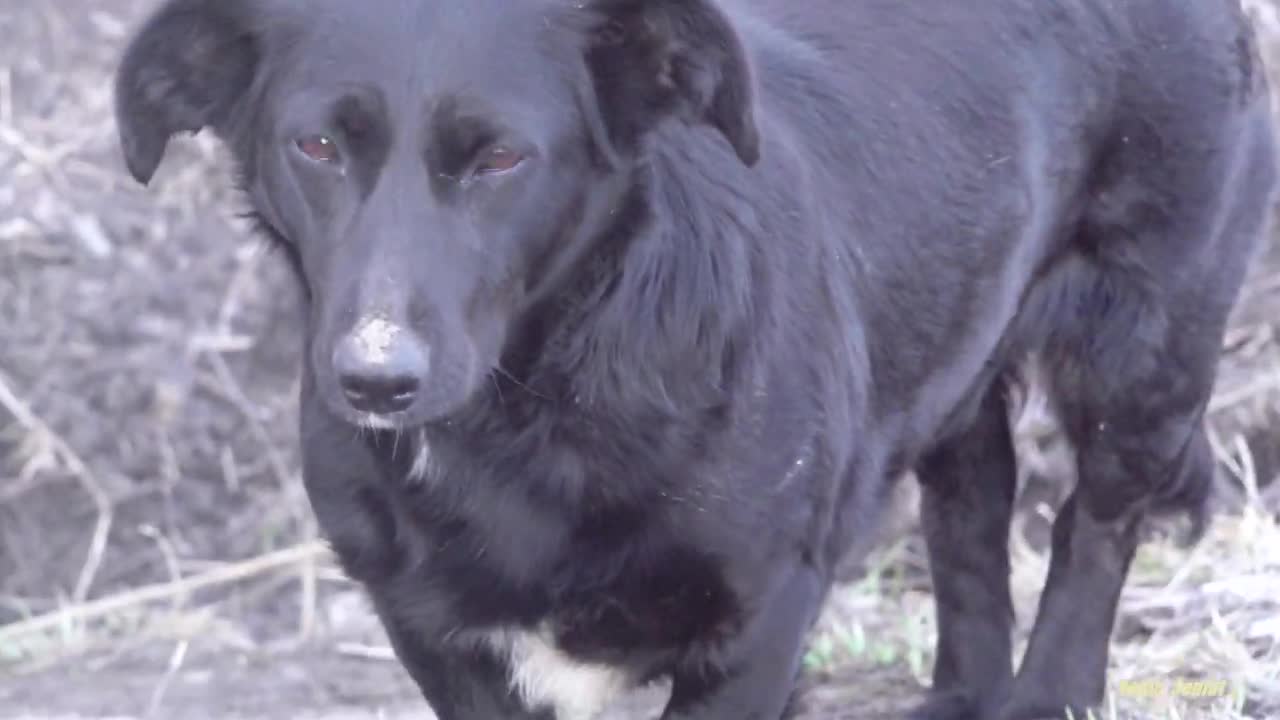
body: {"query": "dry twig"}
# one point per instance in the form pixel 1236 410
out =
pixel 229 574
pixel 102 526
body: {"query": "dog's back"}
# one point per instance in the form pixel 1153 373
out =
pixel 928 140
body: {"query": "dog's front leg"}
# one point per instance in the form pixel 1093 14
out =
pixel 460 683
pixel 346 485
pixel 754 673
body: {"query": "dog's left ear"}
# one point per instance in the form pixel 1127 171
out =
pixel 653 59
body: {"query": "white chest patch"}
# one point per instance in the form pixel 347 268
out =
pixel 545 677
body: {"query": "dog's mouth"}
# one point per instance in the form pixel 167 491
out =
pixel 436 411
pixel 381 423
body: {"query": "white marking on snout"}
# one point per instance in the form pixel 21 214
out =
pixel 373 337
pixel 545 677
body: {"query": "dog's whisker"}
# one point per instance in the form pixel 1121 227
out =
pixel 497 387
pixel 519 383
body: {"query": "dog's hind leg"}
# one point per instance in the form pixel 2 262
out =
pixel 967 486
pixel 1137 440
pixel 1144 301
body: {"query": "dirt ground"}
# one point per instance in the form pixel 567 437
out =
pixel 158 558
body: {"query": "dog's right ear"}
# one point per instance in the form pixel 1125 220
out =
pixel 186 69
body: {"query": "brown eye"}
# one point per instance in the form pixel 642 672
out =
pixel 319 148
pixel 498 160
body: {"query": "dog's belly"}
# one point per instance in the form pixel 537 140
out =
pixel 544 676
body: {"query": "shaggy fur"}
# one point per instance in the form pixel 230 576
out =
pixel 641 390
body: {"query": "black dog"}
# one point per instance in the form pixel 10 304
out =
pixel 643 305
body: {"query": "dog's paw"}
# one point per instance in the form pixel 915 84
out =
pixel 1040 711
pixel 947 706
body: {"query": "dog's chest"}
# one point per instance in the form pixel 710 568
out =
pixel 578 610
pixel 594 645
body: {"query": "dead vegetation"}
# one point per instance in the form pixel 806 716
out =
pixel 156 551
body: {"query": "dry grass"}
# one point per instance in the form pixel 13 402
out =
pixel 150 504
pixel 1210 613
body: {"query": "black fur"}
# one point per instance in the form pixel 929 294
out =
pixel 762 256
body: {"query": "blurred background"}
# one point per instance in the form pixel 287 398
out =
pixel 157 555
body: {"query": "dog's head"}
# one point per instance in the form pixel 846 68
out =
pixel 429 165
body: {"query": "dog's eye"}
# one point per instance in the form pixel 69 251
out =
pixel 319 148
pixel 498 160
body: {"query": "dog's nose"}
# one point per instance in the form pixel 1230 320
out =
pixel 379 365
